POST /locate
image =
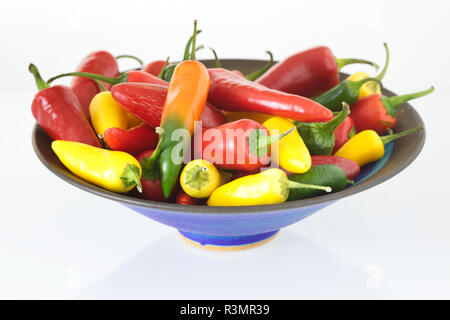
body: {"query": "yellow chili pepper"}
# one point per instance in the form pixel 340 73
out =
pixel 268 187
pixel 367 146
pixel 292 155
pixel 371 87
pixel 199 178
pixel 107 113
pixel 112 170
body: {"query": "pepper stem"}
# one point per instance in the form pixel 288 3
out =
pixel 130 57
pixel 112 81
pixel 40 83
pixel 216 59
pixel 398 100
pixel 346 61
pixel 187 49
pixel 100 85
pixel 163 69
pixel 392 137
pixel 149 170
pixel 130 176
pixel 194 39
pixel 258 73
pixel 386 63
pixel 298 185
pixel 330 126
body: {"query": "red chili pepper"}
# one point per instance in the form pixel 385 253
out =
pixel 379 113
pixel 307 73
pixel 133 141
pixel 343 132
pixel 240 145
pixel 151 189
pixel 231 92
pixel 100 62
pixel 58 112
pixel 351 168
pixel 183 198
pixel 155 67
pixel 146 101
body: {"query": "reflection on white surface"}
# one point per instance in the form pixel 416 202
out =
pixel 172 268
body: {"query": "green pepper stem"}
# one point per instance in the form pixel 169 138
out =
pixel 258 73
pixel 386 63
pixel 40 83
pixel 194 39
pixel 131 57
pixel 163 69
pixel 216 59
pixel 346 61
pixel 100 85
pixel 149 171
pixel 392 137
pixel 264 143
pixel 112 81
pixel 187 49
pixel 398 100
pixel 130 176
pixel 298 185
pixel 356 85
pixel 330 126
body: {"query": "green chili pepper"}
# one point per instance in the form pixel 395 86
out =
pixel 319 136
pixel 328 174
pixel 348 90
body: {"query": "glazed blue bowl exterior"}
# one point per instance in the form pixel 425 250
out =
pixel 243 226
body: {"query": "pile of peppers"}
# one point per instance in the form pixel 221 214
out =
pixel 176 131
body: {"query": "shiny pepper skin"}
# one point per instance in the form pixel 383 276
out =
pixel 115 171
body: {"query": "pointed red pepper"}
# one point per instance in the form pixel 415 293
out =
pixel 378 112
pixel 146 101
pixel 133 141
pixel 307 73
pixel 100 62
pixel 231 92
pixel 59 113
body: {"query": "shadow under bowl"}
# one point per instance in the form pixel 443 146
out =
pixel 229 228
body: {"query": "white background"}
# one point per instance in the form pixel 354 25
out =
pixel 57 241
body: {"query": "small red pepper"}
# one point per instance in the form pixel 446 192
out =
pixel 351 168
pixel 343 132
pixel 155 67
pixel 133 141
pixel 146 101
pixel 151 189
pixel 59 113
pixel 183 198
pixel 231 92
pixel 240 145
pixel 100 62
pixel 378 112
pixel 307 73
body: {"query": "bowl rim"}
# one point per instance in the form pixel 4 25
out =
pixel 198 209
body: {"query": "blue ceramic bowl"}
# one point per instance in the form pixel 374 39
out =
pixel 229 228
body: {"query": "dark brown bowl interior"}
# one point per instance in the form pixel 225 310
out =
pixel 405 151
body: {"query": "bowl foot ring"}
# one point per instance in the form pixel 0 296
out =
pixel 227 243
